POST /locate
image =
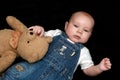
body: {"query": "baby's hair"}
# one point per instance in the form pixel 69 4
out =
pixel 83 13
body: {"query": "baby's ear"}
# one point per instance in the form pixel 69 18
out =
pixel 15 38
pixel 66 24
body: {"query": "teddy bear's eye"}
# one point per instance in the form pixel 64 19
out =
pixel 31 33
pixel 31 29
pixel 28 41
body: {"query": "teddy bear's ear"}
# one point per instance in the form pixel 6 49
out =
pixel 14 40
pixel 49 39
pixel 16 24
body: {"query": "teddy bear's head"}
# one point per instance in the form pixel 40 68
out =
pixel 30 46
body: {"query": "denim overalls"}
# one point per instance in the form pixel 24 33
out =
pixel 58 64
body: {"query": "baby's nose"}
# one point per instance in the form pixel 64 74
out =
pixel 80 31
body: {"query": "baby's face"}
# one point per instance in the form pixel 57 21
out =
pixel 79 28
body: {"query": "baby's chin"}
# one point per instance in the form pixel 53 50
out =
pixel 77 41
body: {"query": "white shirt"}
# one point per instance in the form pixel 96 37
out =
pixel 85 59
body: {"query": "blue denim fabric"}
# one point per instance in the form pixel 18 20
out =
pixel 58 64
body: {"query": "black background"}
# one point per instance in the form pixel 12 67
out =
pixel 52 14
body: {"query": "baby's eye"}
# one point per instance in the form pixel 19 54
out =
pixel 86 30
pixel 76 26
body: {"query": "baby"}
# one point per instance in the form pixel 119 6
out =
pixel 65 54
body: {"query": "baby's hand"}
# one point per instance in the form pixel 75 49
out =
pixel 105 64
pixel 39 30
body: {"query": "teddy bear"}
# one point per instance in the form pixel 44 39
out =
pixel 20 42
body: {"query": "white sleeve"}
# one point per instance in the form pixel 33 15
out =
pixel 85 59
pixel 53 33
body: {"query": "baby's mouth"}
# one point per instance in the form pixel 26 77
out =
pixel 77 37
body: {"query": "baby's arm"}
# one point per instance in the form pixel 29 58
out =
pixel 39 30
pixel 104 65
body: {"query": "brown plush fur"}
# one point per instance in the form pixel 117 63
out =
pixel 20 42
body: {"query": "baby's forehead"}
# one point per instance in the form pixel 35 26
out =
pixel 81 14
